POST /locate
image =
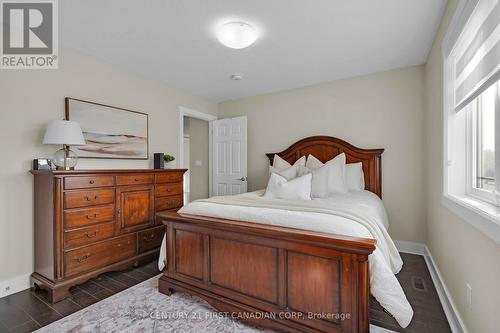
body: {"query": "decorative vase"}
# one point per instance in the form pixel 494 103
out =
pixel 170 165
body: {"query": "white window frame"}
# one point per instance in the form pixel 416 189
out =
pixel 471 154
pixel 474 206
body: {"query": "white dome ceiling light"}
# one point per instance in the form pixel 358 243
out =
pixel 237 35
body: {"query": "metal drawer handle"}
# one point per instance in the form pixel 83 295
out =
pixel 169 190
pixel 149 239
pixel 93 234
pixel 82 258
pixel 120 244
pixel 136 179
pixel 90 217
pixel 90 198
pixel 91 182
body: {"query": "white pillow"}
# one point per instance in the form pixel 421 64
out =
pixel 313 163
pixel 336 173
pixel 288 173
pixel 319 182
pixel 281 164
pixel 355 179
pixel 299 188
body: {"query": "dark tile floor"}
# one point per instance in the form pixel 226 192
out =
pixel 417 284
pixel 29 310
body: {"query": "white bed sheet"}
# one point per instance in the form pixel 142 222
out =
pixel 384 262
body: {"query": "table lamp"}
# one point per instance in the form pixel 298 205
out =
pixel 66 133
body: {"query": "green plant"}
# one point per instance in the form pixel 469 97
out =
pixel 168 158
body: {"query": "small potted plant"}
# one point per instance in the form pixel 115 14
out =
pixel 169 161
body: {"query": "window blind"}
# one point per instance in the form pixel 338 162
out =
pixel 476 53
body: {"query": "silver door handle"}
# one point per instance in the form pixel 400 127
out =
pixel 243 179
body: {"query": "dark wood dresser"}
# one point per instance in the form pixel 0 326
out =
pixel 88 222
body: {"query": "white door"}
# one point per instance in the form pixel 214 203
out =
pixel 229 147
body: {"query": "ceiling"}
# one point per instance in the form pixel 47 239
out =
pixel 302 42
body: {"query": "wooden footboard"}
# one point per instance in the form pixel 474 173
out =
pixel 274 277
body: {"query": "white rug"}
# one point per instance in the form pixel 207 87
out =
pixel 143 308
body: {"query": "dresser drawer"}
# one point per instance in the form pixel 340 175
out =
pixel 77 199
pixel 134 179
pixel 98 255
pixel 88 181
pixel 170 177
pixel 171 202
pixel 163 190
pixel 88 235
pixel 150 239
pixel 81 217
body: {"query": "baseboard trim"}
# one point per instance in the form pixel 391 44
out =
pixel 14 285
pixel 456 322
pixel 450 309
pixel 410 247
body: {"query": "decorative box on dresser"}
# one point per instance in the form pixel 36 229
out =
pixel 88 222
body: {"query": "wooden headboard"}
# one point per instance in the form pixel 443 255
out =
pixel 326 147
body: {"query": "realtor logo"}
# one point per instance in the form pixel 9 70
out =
pixel 29 34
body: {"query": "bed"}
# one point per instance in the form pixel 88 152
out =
pixel 290 265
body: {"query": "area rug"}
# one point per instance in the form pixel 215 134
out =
pixel 142 308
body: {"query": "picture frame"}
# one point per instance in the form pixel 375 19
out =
pixel 42 164
pixel 110 132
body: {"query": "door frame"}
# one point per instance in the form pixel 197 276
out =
pixel 187 112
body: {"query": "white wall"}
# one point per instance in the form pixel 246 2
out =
pixel 462 253
pixel 383 110
pixel 29 99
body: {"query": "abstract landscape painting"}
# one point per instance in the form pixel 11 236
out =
pixel 109 132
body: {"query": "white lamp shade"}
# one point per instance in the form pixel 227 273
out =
pixel 63 132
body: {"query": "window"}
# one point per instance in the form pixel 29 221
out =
pixel 482 142
pixel 471 115
pixel 471 102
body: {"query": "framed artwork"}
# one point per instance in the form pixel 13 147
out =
pixel 109 132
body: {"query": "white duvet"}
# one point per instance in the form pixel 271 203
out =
pixel 358 214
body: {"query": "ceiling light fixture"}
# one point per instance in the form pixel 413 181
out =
pixel 237 35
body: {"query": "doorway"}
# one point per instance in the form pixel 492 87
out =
pixel 195 153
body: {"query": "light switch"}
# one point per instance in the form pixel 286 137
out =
pixel 198 163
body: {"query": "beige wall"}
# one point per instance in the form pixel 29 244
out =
pixel 462 253
pixel 383 110
pixel 29 99
pixel 198 151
